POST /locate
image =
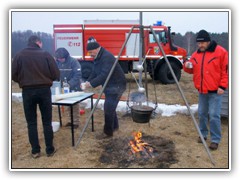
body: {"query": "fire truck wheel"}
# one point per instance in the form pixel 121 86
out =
pixel 86 68
pixel 165 75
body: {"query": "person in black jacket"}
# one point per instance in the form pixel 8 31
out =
pixel 103 62
pixel 35 70
pixel 70 69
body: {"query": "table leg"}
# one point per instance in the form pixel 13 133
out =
pixel 60 116
pixel 92 114
pixel 72 126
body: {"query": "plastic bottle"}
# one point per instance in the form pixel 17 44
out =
pixel 66 86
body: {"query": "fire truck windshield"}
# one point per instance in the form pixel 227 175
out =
pixel 161 35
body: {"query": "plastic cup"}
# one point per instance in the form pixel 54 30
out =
pixel 189 65
pixel 83 86
pixel 57 91
pixel 82 111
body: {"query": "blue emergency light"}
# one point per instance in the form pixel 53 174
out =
pixel 159 23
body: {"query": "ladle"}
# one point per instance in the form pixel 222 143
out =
pixel 140 89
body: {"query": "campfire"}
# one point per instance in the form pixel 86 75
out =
pixel 139 147
pixel 138 151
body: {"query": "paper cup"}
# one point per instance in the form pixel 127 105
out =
pixel 189 65
pixel 83 86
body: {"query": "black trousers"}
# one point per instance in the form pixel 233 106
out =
pixel 111 120
pixel 42 97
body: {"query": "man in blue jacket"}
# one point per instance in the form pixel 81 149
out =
pixel 103 62
pixel 71 70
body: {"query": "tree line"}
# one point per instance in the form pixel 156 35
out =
pixel 187 41
pixel 20 40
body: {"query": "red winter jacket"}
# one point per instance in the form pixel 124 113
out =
pixel 210 69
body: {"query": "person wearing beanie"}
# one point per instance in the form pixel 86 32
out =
pixel 209 66
pixel 35 70
pixel 103 62
pixel 70 69
pixel 203 36
pixel 92 44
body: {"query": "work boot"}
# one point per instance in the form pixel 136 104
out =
pixel 68 125
pixel 101 136
pixel 75 126
pixel 51 154
pixel 200 141
pixel 35 155
pixel 213 146
pixel 116 129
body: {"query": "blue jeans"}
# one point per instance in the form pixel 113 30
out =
pixel 210 107
pixel 42 97
pixel 111 119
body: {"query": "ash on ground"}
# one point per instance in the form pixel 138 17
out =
pixel 117 152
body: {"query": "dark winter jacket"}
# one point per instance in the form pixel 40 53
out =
pixel 102 66
pixel 34 67
pixel 210 69
pixel 70 69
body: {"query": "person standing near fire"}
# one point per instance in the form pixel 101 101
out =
pixel 103 62
pixel 209 66
pixel 70 69
pixel 35 70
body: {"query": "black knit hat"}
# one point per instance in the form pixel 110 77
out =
pixel 61 53
pixel 92 44
pixel 203 36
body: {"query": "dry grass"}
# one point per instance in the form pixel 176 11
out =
pixel 179 129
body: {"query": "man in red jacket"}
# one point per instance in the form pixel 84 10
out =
pixel 209 66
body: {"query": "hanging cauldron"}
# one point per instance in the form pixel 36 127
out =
pixel 141 113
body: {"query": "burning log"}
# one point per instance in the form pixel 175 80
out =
pixel 139 146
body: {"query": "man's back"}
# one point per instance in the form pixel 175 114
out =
pixel 34 67
pixel 34 70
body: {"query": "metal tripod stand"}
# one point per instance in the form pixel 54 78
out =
pixel 174 76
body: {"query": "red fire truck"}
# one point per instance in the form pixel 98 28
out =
pixel 111 35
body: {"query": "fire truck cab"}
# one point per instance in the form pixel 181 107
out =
pixel 111 35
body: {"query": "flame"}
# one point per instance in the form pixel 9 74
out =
pixel 138 145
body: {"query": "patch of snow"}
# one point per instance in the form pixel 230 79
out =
pixel 17 97
pixel 163 109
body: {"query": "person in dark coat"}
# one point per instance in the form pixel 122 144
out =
pixel 70 69
pixel 35 70
pixel 103 62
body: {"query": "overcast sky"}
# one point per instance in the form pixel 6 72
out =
pixel 181 21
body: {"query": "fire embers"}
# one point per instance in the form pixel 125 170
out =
pixel 157 152
pixel 139 148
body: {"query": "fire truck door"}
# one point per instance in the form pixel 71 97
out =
pixel 132 47
pixel 72 42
